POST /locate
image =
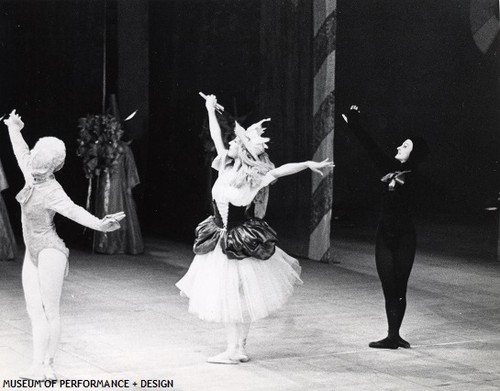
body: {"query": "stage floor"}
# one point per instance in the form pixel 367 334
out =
pixel 123 318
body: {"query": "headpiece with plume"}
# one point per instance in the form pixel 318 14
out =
pixel 252 138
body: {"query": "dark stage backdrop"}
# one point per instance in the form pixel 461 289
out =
pixel 256 57
pixel 413 67
pixel 208 46
pixel 51 71
pixel 286 82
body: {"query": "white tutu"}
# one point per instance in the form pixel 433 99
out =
pixel 230 290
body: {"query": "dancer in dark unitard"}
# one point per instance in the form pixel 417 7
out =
pixel 396 238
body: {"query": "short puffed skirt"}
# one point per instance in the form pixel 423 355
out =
pixel 238 291
pixel 252 238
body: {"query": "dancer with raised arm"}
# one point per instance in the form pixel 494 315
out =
pixel 238 274
pixel 396 238
pixel 46 258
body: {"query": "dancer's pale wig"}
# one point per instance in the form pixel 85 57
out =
pixel 47 156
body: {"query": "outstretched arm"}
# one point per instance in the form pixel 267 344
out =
pixel 213 124
pixel 381 160
pixel 59 202
pixel 293 168
pixel 21 149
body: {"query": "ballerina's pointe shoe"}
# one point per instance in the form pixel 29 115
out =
pixel 243 358
pixel 224 358
pixel 35 372
pixel 242 355
pixel 49 372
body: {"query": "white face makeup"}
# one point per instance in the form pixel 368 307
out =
pixel 404 151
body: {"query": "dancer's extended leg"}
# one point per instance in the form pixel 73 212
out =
pixel 394 261
pixel 51 268
pixel 385 259
pixel 229 356
pixel 39 322
pixel 243 330
pixel 405 255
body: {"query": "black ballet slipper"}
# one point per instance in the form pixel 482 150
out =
pixel 386 343
pixel 403 344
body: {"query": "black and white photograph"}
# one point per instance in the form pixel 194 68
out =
pixel 250 195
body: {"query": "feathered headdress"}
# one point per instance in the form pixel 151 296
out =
pixel 252 138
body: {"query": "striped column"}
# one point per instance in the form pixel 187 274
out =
pixel 325 21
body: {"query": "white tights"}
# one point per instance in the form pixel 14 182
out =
pixel 42 287
pixel 236 334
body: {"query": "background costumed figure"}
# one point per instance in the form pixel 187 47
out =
pixel 8 245
pixel 109 166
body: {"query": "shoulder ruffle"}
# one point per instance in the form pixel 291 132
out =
pixel 220 162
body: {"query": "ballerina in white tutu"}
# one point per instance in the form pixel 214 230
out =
pixel 239 275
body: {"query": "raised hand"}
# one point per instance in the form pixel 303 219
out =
pixel 14 121
pixel 211 102
pixel 352 117
pixel 318 166
pixel 218 107
pixel 112 222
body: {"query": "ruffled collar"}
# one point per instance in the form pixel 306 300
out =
pixel 41 178
pixel 25 194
